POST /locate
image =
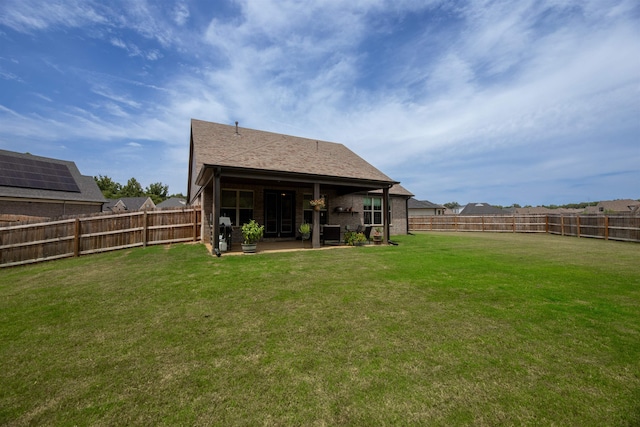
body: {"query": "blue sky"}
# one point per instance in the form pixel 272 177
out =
pixel 529 102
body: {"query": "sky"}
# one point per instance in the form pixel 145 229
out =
pixel 529 102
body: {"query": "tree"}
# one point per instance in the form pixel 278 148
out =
pixel 157 191
pixel 110 189
pixel 132 189
pixel 452 205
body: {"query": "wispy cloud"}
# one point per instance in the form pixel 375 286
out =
pixel 180 13
pixel 448 97
pixel 32 15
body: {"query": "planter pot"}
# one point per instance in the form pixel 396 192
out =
pixel 377 240
pixel 249 248
pixel 306 236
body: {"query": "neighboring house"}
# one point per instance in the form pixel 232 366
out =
pixel 45 187
pixel 129 204
pixel 172 202
pixel 246 174
pixel 624 206
pixel 541 210
pixel 482 209
pixel 424 208
pixel 535 210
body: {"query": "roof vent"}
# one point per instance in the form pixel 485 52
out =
pixel 237 128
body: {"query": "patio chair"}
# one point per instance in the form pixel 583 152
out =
pixel 367 233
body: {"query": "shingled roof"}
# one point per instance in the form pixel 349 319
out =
pixel 232 147
pixel 423 204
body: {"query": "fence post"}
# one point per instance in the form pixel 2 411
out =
pixel 144 232
pixel 562 225
pixel 546 224
pixel 578 225
pixel 76 239
pixel 514 223
pixel 606 227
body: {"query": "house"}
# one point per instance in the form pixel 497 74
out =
pixel 622 206
pixel 424 208
pixel 129 204
pixel 482 209
pixel 172 202
pixel 44 187
pixel 535 210
pixel 244 174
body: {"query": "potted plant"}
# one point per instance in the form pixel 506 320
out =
pixel 305 230
pixel 377 235
pixel 353 238
pixel 251 233
pixel 317 204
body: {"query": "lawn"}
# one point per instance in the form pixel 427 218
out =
pixel 444 329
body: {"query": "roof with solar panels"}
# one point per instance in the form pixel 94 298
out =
pixel 35 177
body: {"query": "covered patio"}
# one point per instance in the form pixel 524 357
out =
pixel 243 174
pixel 280 246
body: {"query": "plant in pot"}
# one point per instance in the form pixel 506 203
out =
pixel 251 233
pixel 354 238
pixel 305 230
pixel 377 235
pixel 317 204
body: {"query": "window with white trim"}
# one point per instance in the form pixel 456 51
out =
pixel 237 205
pixel 372 210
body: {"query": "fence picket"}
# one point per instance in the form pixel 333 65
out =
pixel 622 227
pixel 43 241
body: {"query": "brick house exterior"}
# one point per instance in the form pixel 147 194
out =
pixel 247 174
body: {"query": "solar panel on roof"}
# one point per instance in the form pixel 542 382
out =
pixel 36 174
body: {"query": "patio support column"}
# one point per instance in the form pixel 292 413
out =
pixel 215 244
pixel 387 215
pixel 315 235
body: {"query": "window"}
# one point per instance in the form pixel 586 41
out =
pixel 308 209
pixel 237 205
pixel 372 208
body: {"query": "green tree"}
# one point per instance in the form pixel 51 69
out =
pixel 157 191
pixel 452 205
pixel 132 189
pixel 110 189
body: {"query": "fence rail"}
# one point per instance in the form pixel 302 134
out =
pixel 43 241
pixel 608 227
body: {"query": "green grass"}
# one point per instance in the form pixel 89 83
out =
pixel 444 329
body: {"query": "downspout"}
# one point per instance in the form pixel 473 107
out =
pixel 406 212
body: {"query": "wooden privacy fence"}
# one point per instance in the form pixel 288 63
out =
pixel 29 243
pixel 623 227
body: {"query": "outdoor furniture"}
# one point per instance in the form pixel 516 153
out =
pixel 225 233
pixel 367 232
pixel 330 233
